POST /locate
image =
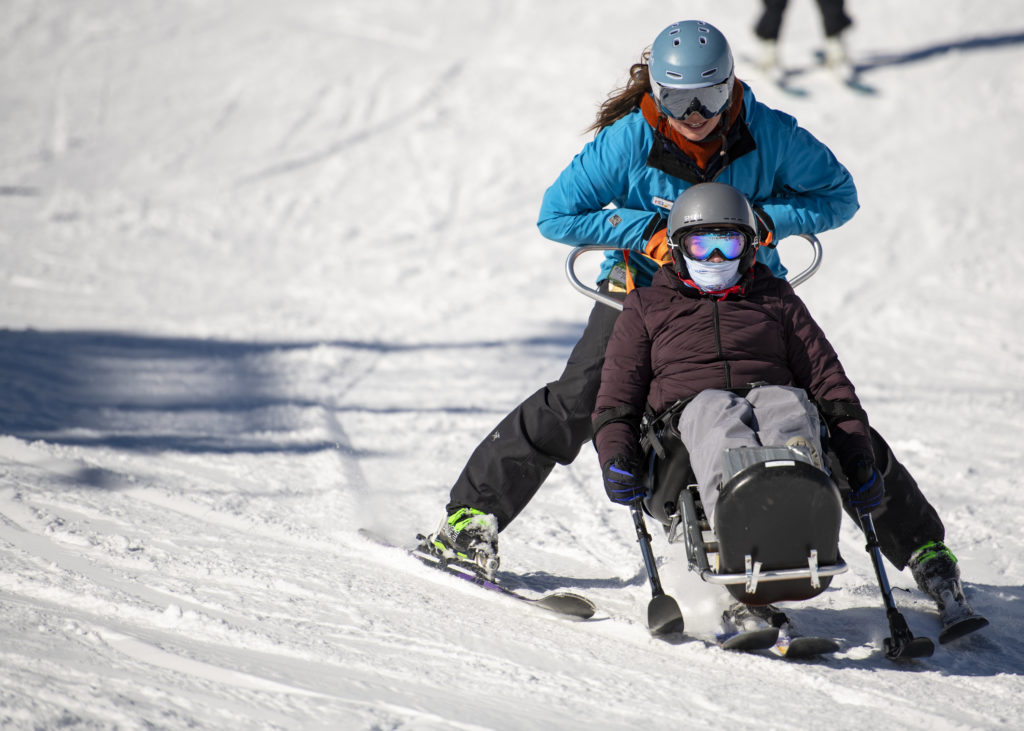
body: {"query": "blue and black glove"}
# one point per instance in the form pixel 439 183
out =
pixel 866 488
pixel 622 482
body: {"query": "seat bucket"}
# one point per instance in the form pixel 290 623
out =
pixel 782 514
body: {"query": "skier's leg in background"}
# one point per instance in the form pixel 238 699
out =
pixel 770 22
pixel 511 463
pixel 835 21
pixel 905 521
pixel 833 17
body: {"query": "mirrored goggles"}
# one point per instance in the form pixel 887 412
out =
pixel 707 101
pixel 700 245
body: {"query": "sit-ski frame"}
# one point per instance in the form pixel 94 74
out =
pixel 698 547
pixel 663 615
pixel 593 293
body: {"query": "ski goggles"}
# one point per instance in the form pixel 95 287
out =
pixel 700 245
pixel 707 101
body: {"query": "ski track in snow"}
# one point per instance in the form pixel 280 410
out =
pixel 272 271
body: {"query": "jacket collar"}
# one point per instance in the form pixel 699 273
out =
pixel 695 162
pixel 669 277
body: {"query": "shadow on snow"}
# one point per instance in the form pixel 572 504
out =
pixel 138 392
pixel 969 44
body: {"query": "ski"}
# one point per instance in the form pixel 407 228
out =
pixel 797 81
pixel 958 621
pixel 566 604
pixel 798 647
pixel 958 628
pixel 747 628
pixel 749 640
pixel 853 83
pixel 793 645
pixel 750 628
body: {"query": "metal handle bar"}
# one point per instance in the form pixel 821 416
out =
pixel 593 293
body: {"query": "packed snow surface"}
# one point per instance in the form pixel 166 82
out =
pixel 270 272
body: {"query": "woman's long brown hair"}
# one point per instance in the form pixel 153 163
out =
pixel 623 101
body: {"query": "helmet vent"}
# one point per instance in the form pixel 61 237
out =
pixel 673 74
pixel 709 72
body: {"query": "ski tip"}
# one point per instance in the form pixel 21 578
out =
pixel 966 626
pixel 759 639
pixel 569 604
pixel 374 537
pixel 805 648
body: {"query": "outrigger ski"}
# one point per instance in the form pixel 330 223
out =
pixel 566 604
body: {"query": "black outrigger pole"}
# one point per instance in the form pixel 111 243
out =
pixel 663 615
pixel 901 644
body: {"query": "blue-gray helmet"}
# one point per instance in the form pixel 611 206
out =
pixel 691 70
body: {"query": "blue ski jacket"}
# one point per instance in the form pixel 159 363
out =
pixel 622 184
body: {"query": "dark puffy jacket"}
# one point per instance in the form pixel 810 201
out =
pixel 672 341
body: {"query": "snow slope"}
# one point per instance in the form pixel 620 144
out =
pixel 270 272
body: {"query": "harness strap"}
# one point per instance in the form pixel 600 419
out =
pixel 630 285
pixel 626 414
pixel 834 411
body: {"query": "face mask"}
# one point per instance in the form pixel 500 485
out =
pixel 713 276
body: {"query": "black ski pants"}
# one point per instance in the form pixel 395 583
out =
pixel 548 428
pixel 833 18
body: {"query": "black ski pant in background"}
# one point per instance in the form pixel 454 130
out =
pixel 905 520
pixel 548 428
pixel 833 18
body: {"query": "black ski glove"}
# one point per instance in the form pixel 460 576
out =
pixel 765 228
pixel 866 488
pixel 621 481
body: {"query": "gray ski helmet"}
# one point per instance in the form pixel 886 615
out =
pixel 691 70
pixel 711 205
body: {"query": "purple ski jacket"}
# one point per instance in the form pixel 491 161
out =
pixel 672 341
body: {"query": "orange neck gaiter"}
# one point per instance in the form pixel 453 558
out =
pixel 699 152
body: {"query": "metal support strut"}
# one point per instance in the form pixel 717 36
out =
pixel 593 293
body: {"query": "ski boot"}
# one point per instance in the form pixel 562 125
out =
pixel 747 628
pixel 754 625
pixel 468 537
pixel 936 573
pixel 767 59
pixel 835 55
